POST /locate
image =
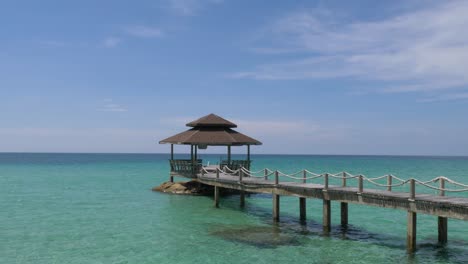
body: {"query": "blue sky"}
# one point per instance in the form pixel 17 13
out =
pixel 306 77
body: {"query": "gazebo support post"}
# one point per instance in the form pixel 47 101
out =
pixel 172 151
pixel 191 158
pixel 248 157
pixel 171 178
pixel 229 156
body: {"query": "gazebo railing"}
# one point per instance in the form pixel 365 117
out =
pixel 235 164
pixel 185 166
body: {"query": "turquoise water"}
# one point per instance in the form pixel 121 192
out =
pixel 99 208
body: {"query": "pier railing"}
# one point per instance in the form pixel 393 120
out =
pixel 306 176
pixel 306 184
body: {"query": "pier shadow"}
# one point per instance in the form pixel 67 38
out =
pixel 290 231
pixel 258 236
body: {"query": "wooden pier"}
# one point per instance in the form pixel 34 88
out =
pixel 442 206
pixel 213 130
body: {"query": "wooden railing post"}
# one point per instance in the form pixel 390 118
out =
pixel 442 187
pixel 276 177
pixel 389 182
pixel 217 173
pixel 241 173
pixel 361 184
pixel 325 186
pixel 412 190
pixel 266 174
pixel 343 180
pixel 304 176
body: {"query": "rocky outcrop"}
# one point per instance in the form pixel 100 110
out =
pixel 190 187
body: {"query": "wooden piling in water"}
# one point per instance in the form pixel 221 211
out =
pixel 276 207
pixel 344 214
pixel 344 206
pixel 216 196
pixel 302 208
pixel 326 216
pixel 442 221
pixel 242 199
pixel 411 232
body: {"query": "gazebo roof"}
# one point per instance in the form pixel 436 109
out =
pixel 211 120
pixel 211 130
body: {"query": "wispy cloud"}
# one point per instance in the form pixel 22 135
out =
pixel 446 97
pixel 190 7
pixel 144 31
pixel 110 106
pixel 111 42
pixel 422 50
pixel 52 43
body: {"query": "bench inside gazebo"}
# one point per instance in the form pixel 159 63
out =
pixel 210 130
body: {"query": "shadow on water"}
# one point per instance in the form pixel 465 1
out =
pixel 258 236
pixel 290 231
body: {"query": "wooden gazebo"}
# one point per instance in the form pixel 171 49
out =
pixel 210 130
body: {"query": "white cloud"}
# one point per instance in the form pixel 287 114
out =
pixel 111 42
pixel 446 97
pixel 190 7
pixel 50 139
pixel 422 50
pixel 110 106
pixel 52 43
pixel 144 31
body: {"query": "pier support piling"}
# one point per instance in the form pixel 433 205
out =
pixel 326 216
pixel 442 221
pixel 216 196
pixel 302 208
pixel 276 207
pixel 442 226
pixel 344 214
pixel 242 199
pixel 411 232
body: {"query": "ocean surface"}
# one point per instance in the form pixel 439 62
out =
pixel 99 208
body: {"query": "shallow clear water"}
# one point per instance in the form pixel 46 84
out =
pixel 99 208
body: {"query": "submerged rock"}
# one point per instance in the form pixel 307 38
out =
pixel 263 237
pixel 190 187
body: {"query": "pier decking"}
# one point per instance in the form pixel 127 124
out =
pixel 439 205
